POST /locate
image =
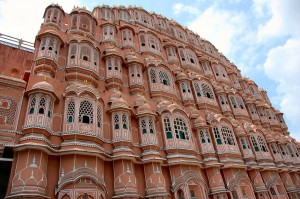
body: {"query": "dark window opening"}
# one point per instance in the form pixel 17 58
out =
pixel 43 48
pixel 165 82
pixel 124 126
pixel 98 124
pixel 70 119
pixel 85 119
pixel 198 94
pixel 144 131
pixel 217 74
pixel 169 135
pixel 31 111
pixel 73 57
pixel 41 111
pixel 116 126
pixel 208 95
pixel 50 48
pixel 85 58
pixel 192 61
pixel 143 44
pixel 49 113
pixel 153 46
pixel 151 131
pixel 109 68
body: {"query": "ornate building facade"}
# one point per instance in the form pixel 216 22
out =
pixel 123 103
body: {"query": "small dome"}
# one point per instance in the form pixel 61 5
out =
pixel 145 108
pixel 43 86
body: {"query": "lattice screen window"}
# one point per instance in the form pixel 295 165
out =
pixel 99 116
pixel 244 143
pixel 71 111
pixel 42 105
pixel 8 109
pixel 127 37
pixel 151 126
pixel 274 148
pixel 240 102
pixel 167 125
pixel 181 129
pixel 73 51
pixel 85 53
pixel 197 89
pixel 123 15
pixel 85 22
pixel 32 105
pixel 227 135
pixel 262 143
pixel 185 87
pixel 217 136
pixel 74 20
pixel 50 107
pixel 108 33
pixel 125 121
pixel 233 102
pixel 282 149
pixel 154 43
pixel 164 78
pixel 205 65
pixel 107 14
pixel 192 57
pixel 182 54
pixel 117 122
pixel 142 40
pixel 295 150
pixel 252 109
pixel 162 23
pixel 171 53
pixel 204 136
pixel 254 143
pixel 86 112
pixel 43 43
pixel 96 57
pixel 207 91
pixel 143 126
pixel 153 76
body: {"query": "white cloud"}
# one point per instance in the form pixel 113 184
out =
pixel 282 66
pixel 22 19
pixel 221 27
pixel 179 8
pixel 284 19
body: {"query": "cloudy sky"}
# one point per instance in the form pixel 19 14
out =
pixel 262 37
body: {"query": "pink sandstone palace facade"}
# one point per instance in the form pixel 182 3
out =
pixel 123 103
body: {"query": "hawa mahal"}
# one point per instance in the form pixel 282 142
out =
pixel 123 103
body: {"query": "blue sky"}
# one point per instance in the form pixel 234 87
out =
pixel 262 37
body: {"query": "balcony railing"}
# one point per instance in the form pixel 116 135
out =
pixel 16 43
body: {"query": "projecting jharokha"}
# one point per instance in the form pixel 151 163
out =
pixel 123 103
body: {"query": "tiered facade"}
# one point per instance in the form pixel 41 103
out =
pixel 123 103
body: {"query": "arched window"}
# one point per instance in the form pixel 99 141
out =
pixel 107 14
pixel 73 51
pixel 153 76
pixel 50 108
pixel 217 136
pixel 32 105
pixel 142 40
pixel 117 122
pixel 127 37
pixel 71 111
pixel 254 143
pixel 171 53
pixel 164 78
pixel 282 149
pixel 86 112
pixel 207 91
pixel 85 53
pixel 124 121
pixel 240 102
pixel 204 137
pixel 147 125
pixel 42 105
pixel 181 129
pixel 99 117
pixel 244 143
pixel 123 15
pixel 227 136
pixel 185 87
pixel 151 126
pixel 233 103
pixel 272 190
pixel 262 143
pixel 108 32
pixel 197 89
pixel 144 127
pixel 167 125
pixel 180 194
pixel 274 148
